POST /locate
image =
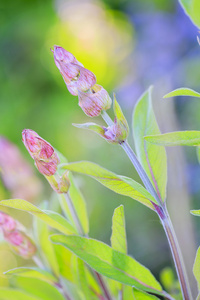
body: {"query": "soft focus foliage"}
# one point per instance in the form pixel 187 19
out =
pixel 128 45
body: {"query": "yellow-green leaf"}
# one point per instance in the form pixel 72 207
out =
pixel 33 272
pixel 118 238
pixel 51 218
pixel 196 268
pixel 192 9
pixel 182 92
pixel 152 158
pixel 110 263
pixel 139 295
pixel 119 184
pixel 15 294
pixel 176 138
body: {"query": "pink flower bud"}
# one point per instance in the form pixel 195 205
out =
pixel 21 243
pixel 7 223
pixel 84 81
pixel 2 218
pixel 115 134
pixel 63 56
pixel 76 77
pixel 46 160
pixel 92 103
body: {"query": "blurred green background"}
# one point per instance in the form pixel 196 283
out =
pixel 129 45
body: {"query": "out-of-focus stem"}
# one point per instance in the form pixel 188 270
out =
pixel 176 253
pixel 81 232
pixel 162 212
pixel 58 284
pixel 74 215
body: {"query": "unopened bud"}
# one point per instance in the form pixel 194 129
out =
pixel 7 223
pixel 116 133
pixel 93 102
pixel 21 243
pixel 41 151
pixel 76 77
pixel 84 81
pixel 62 56
pixel 60 184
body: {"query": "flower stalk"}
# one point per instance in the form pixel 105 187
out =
pixel 162 212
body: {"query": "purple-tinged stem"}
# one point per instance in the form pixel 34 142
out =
pixel 162 212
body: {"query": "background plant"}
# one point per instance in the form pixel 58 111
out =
pixel 108 163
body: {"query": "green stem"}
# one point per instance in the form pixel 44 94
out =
pixel 162 212
pixel 74 215
pixel 81 232
pixel 58 284
pixel 141 172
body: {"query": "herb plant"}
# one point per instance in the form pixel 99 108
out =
pixel 67 263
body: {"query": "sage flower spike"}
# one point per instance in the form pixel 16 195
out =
pixel 46 159
pixel 76 77
pixel 93 98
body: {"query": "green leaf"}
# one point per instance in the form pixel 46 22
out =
pixel 45 246
pixel 33 272
pixel 14 294
pixel 119 184
pixel 152 158
pixel 118 238
pixel 119 115
pixel 139 295
pixel 182 92
pixel 38 288
pixel 82 279
pixel 196 268
pixel 192 9
pixel 79 204
pixel 91 126
pixel 195 212
pixel 110 263
pixel 51 218
pixel 176 138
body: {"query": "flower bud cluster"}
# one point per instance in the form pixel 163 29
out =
pixel 46 160
pixel 81 82
pixel 19 241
